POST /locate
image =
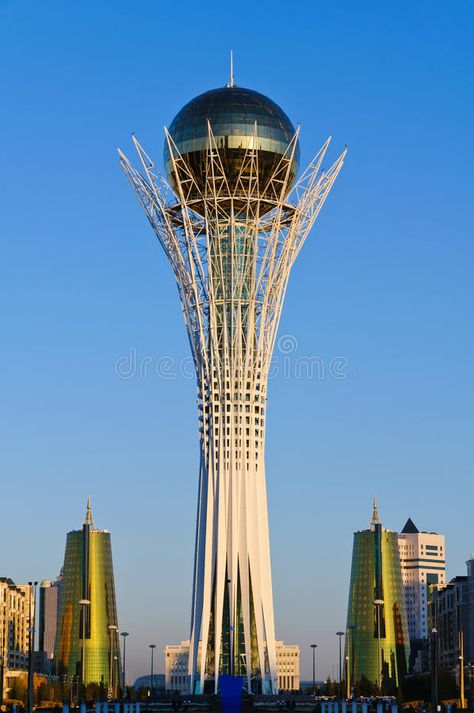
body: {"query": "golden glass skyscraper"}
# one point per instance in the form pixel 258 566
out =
pixel 377 642
pixel 87 639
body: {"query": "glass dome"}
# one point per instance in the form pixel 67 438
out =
pixel 232 112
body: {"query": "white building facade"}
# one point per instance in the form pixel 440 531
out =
pixel 423 564
pixel 16 612
pixel 177 662
pixel 288 666
pixel 176 666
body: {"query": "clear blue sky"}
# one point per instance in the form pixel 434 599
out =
pixel 385 280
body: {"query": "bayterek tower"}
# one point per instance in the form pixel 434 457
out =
pixel 232 217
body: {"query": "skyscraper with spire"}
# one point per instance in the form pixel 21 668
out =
pixel 377 643
pixel 87 645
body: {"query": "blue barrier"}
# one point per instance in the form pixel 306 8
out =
pixel 231 693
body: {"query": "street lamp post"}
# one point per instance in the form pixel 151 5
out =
pixel 152 686
pixel 348 678
pixel 350 658
pixel 116 676
pixel 379 603
pixel 124 634
pixel 340 634
pixel 231 633
pixel 461 669
pixel 112 629
pixel 314 647
pixel 83 603
pixel 31 643
pixel 2 662
pixel 1 680
pixel 434 670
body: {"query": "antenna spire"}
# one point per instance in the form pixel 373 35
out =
pixel 230 83
pixel 88 519
pixel 375 515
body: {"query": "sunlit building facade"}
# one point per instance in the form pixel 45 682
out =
pixel 177 664
pixel 377 645
pixel 87 639
pixel 423 564
pixel 17 608
pixel 47 623
pixel 231 218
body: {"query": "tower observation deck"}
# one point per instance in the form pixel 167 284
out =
pixel 231 220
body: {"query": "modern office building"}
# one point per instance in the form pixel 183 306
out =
pixel 17 609
pixel 377 645
pixel 231 219
pixel 177 663
pixel 176 666
pixel 87 639
pixel 449 615
pixel 423 563
pixel 452 614
pixel 47 622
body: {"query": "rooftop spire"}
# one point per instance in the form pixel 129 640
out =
pixel 375 516
pixel 88 519
pixel 230 83
pixel 410 527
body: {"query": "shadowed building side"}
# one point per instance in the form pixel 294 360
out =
pixel 377 644
pixel 87 645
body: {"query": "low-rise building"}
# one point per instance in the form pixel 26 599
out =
pixel 449 616
pixel 288 666
pixel 176 666
pixel 16 613
pixel 177 657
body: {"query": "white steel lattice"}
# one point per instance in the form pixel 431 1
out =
pixel 231 249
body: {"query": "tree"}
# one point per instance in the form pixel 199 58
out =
pixel 365 687
pixel 18 688
pixel 331 688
